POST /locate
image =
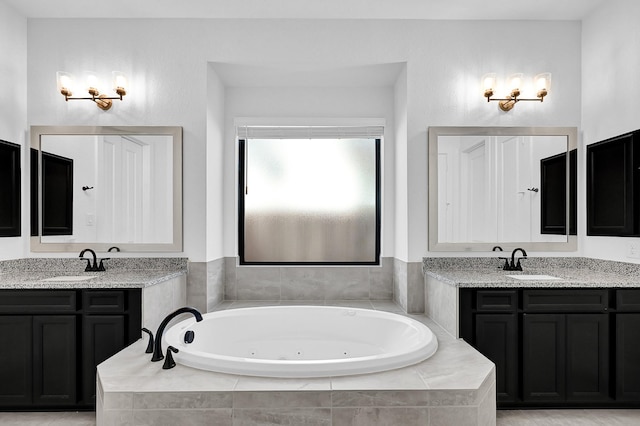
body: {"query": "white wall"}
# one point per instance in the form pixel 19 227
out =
pixel 167 61
pixel 610 93
pixel 13 111
pixel 217 168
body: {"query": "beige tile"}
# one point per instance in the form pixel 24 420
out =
pixel 118 401
pixel 459 416
pixel 304 283
pixel 386 416
pixel 379 398
pixel 217 417
pixel 399 379
pixel 281 399
pixel 258 283
pixel 268 417
pixel 173 400
pixel 247 383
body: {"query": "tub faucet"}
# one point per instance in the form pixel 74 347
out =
pixel 513 266
pixel 157 350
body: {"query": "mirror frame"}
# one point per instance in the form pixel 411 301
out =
pixel 434 132
pixel 37 132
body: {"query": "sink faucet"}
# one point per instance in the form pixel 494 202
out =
pixel 157 350
pixel 513 266
pixel 90 268
pixel 95 267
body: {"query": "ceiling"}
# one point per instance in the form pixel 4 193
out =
pixel 309 9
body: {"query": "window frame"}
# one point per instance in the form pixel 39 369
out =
pixel 241 214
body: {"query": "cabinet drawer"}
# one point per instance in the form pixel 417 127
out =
pixel 38 301
pixel 103 301
pixel 628 300
pixel 496 300
pixel 566 300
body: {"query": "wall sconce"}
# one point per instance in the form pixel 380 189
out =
pixel 542 83
pixel 104 102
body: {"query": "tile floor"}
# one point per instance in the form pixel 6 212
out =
pixel 505 418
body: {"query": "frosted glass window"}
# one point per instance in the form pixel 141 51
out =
pixel 309 201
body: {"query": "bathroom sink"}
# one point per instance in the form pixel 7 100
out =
pixel 67 278
pixel 533 277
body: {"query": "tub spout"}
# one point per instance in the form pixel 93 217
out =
pixel 157 350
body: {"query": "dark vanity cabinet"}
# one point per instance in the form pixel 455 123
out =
pixel 52 340
pixel 557 347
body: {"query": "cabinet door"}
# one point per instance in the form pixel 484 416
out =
pixel 497 339
pixel 610 187
pixel 587 357
pixel 102 337
pixel 627 357
pixel 54 366
pixel 543 357
pixel 15 361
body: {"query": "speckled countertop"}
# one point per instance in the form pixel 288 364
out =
pixel 571 272
pixel 120 273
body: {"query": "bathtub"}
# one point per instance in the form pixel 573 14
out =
pixel 301 341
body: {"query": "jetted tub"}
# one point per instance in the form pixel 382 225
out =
pixel 301 341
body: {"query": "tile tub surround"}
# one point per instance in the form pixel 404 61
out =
pixel 455 386
pixel 270 283
pixel 444 276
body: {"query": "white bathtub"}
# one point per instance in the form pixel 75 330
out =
pixel 301 341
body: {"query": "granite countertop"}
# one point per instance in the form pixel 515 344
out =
pixel 578 272
pixel 122 273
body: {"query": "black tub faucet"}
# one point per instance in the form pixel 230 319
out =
pixel 515 266
pixel 157 350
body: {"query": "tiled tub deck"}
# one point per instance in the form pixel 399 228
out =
pixel 456 386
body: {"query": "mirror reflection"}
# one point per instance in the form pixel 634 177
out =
pixel 505 186
pixel 101 187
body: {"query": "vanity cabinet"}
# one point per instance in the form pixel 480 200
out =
pixel 557 347
pixel 52 341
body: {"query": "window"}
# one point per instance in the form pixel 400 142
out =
pixel 309 195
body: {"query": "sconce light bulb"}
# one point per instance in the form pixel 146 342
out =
pixel 542 83
pixel 65 83
pixel 119 83
pixel 488 84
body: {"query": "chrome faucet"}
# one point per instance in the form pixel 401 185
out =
pixel 515 266
pixel 157 350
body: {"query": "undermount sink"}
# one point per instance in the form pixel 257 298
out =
pixel 534 277
pixel 66 278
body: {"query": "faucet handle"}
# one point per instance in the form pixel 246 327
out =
pixel 88 268
pixel 168 361
pixel 150 344
pixel 101 267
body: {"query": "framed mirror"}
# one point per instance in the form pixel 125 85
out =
pixel 506 186
pixel 101 187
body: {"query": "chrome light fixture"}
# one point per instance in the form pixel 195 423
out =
pixel 515 82
pixel 104 102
